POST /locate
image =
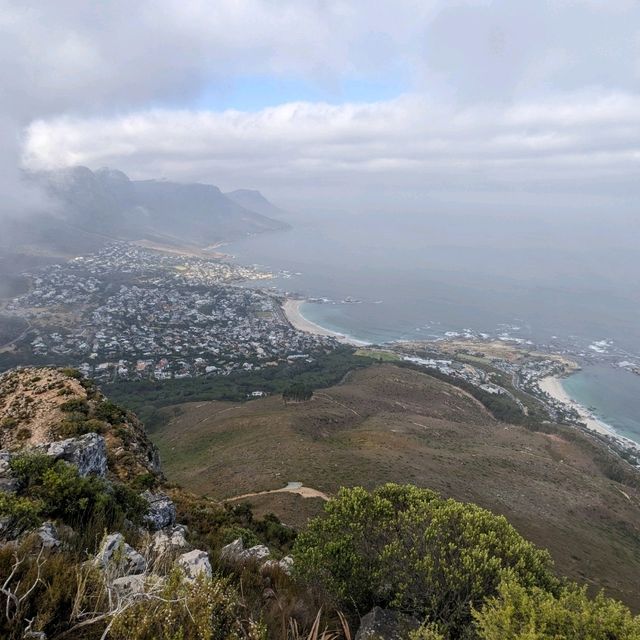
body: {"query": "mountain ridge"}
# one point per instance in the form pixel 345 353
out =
pixel 86 205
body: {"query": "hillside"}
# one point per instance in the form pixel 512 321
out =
pixel 88 208
pixel 390 424
pixel 254 201
pixel 95 543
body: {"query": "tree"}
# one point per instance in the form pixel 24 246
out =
pixel 406 548
pixel 297 392
pixel 518 613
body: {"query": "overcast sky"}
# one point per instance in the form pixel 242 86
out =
pixel 518 101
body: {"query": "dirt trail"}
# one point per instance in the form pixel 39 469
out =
pixel 292 487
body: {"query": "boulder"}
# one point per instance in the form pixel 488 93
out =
pixel 194 564
pixel 236 553
pixel 48 535
pixel 285 565
pixel 127 585
pixel 7 482
pixel 232 551
pixel 386 624
pixel 257 553
pixel 169 540
pixel 162 510
pixel 117 555
pixel 87 452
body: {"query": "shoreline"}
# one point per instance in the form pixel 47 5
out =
pixel 553 386
pixel 291 309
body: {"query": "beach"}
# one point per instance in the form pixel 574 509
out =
pixel 291 308
pixel 553 386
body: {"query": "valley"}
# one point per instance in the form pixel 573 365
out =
pixel 385 423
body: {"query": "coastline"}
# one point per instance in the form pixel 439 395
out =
pixel 291 309
pixel 553 386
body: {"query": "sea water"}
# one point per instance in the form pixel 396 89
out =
pixel 398 278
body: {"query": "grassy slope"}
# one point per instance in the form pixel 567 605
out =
pixel 390 424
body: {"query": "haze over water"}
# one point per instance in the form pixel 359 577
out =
pixel 565 285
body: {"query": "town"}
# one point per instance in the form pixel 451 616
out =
pixel 127 312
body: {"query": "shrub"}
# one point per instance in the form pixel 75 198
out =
pixel 110 412
pixel 23 434
pixel 69 372
pixel 208 609
pixel 90 502
pixel 78 425
pixel 518 613
pixel 75 405
pixel 22 513
pixel 45 587
pixel 406 548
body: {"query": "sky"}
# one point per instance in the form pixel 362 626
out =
pixel 503 104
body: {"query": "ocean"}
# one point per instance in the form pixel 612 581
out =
pixel 386 278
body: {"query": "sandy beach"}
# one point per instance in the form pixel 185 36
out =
pixel 291 308
pixel 553 386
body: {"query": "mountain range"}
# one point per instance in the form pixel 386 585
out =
pixel 89 208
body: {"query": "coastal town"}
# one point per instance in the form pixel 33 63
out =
pixel 128 312
pixel 131 313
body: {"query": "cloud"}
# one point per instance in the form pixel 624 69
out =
pixel 500 95
pixel 566 143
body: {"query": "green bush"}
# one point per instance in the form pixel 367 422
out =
pixel 9 422
pixel 78 425
pixel 75 405
pixel 71 373
pixel 21 513
pixel 90 502
pixel 110 412
pixel 406 548
pixel 518 613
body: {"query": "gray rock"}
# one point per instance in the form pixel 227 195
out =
pixel 128 585
pixel 257 553
pixel 117 555
pixel 194 564
pixel 232 551
pixel 385 624
pixel 88 453
pixel 48 535
pixel 169 540
pixel 285 565
pixel 162 511
pixel 7 482
pixel 236 553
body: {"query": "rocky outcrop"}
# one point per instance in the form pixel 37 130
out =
pixel 39 407
pixel 385 624
pixel 236 553
pixel 162 510
pixel 194 564
pixel 168 541
pixel 87 452
pixel 117 556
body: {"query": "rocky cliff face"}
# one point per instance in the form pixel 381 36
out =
pixel 53 411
